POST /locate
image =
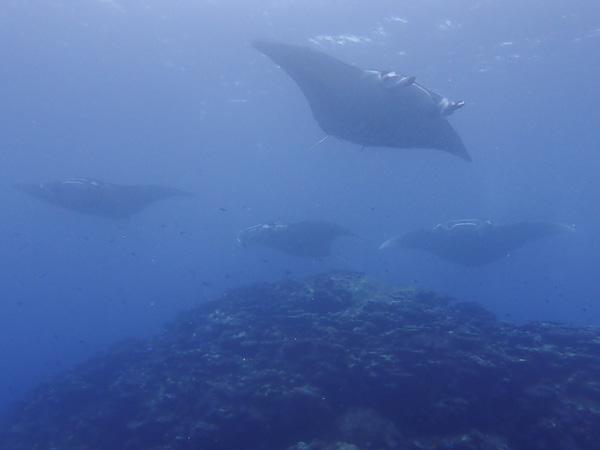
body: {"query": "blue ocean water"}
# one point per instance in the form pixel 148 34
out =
pixel 172 93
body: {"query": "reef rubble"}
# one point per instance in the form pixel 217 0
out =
pixel 337 361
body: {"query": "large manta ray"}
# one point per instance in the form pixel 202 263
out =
pixel 474 242
pixel 90 196
pixel 369 107
pixel 308 239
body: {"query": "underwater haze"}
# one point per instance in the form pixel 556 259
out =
pixel 172 93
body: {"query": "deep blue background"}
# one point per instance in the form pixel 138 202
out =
pixel 172 93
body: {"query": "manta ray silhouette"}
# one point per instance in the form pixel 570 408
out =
pixel 308 239
pixel 95 197
pixel 474 242
pixel 372 108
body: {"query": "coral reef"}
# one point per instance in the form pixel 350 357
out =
pixel 338 361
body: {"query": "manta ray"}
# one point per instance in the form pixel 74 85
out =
pixel 308 239
pixel 98 198
pixel 373 108
pixel 474 242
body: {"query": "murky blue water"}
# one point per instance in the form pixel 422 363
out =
pixel 156 92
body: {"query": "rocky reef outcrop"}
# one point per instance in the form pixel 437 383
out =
pixel 338 361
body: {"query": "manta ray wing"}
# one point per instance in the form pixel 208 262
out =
pixel 306 239
pixel 505 238
pixel 476 247
pixel 98 198
pixel 363 106
pixel 128 200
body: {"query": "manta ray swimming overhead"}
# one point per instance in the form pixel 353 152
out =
pixel 474 242
pixel 372 108
pixel 95 197
pixel 308 239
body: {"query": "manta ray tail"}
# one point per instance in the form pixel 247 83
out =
pixel 318 143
